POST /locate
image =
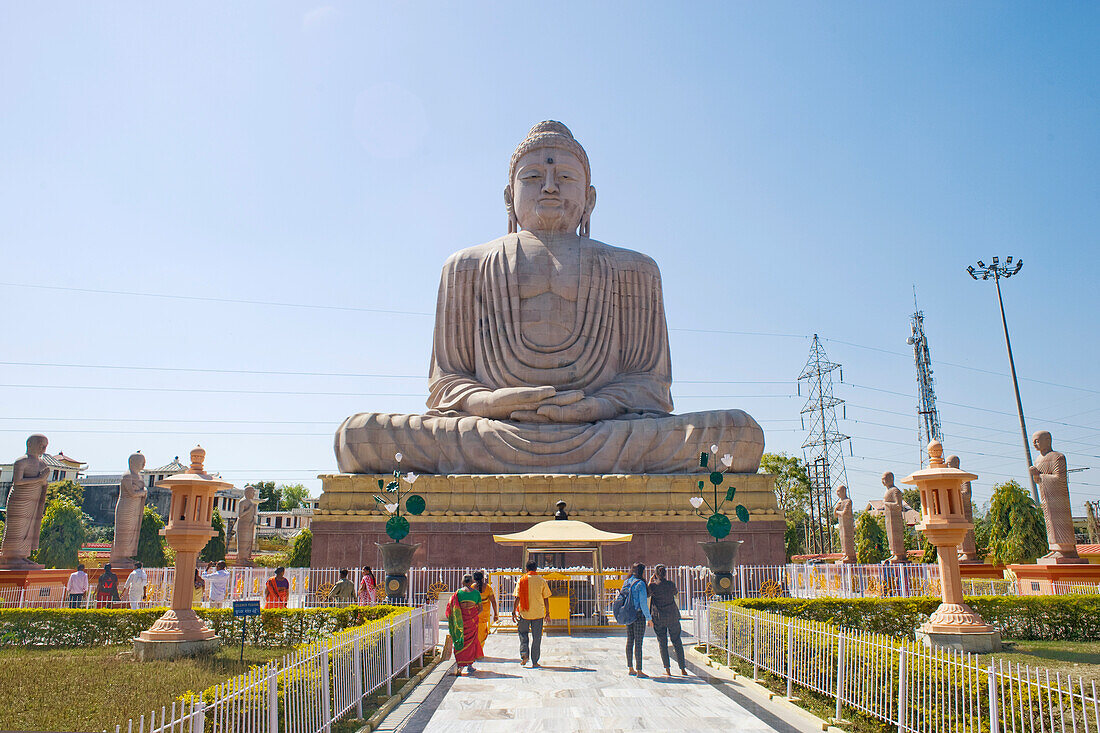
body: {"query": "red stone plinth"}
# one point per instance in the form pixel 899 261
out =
pixel 46 588
pixel 671 541
pixel 1039 580
pixel 980 571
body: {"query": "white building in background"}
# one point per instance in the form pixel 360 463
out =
pixel 61 468
pixel 285 523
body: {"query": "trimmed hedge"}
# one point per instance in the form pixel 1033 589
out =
pixel 1049 618
pixel 64 627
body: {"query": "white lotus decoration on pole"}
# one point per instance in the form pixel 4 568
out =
pixel 727 460
pixel 696 501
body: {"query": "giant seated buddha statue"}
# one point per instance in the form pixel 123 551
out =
pixel 551 351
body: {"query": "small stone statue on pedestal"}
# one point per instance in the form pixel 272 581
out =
pixel 246 526
pixel 128 513
pixel 26 503
pixel 893 506
pixel 846 525
pixel 968 551
pixel 1049 473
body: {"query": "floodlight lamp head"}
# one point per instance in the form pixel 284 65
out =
pixel 1008 260
pixel 970 270
pixel 981 264
pixel 909 340
pixel 1019 265
pixel 994 261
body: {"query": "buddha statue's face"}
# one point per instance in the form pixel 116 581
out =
pixel 136 462
pixel 36 445
pixel 549 191
pixel 1041 441
pixel 888 479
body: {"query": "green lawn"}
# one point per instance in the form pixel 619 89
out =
pixel 1078 658
pixel 89 689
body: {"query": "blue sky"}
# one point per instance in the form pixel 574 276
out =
pixel 794 168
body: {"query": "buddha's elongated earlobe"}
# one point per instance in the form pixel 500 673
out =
pixel 513 222
pixel 586 217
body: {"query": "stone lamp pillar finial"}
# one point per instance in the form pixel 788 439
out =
pixel 935 454
pixel 198 455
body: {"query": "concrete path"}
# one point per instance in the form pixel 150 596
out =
pixel 582 686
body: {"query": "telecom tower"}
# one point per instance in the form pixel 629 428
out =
pixel 823 449
pixel 928 417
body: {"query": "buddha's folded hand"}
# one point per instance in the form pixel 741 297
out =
pixel 518 403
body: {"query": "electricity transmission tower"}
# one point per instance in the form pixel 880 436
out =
pixel 928 417
pixel 823 447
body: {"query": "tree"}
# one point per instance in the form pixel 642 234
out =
pixel 67 489
pixel 792 485
pixel 301 550
pixel 792 539
pixel 268 495
pixel 912 498
pixel 1017 532
pixel 62 534
pixel 871 543
pixel 150 544
pixel 293 496
pixel 215 548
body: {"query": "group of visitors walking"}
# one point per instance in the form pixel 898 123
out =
pixel 639 604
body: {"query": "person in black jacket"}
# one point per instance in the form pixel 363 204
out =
pixel 666 617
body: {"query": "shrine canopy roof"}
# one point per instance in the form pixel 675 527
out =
pixel 561 532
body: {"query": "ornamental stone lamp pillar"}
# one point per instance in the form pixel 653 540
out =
pixel 954 624
pixel 180 632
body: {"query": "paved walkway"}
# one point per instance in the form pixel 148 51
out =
pixel 582 686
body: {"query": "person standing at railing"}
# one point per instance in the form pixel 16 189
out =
pixel 489 610
pixel 368 587
pixel 666 617
pixel 217 584
pixel 77 587
pixel 529 613
pixel 343 592
pixel 134 587
pixel 277 590
pixel 106 589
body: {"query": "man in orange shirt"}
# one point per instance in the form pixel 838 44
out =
pixel 277 590
pixel 529 613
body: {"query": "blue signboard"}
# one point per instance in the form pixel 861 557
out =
pixel 246 608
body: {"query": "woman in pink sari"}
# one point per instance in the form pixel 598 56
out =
pixel 368 588
pixel 463 611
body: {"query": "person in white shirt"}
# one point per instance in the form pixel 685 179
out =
pixel 217 584
pixel 134 587
pixel 77 587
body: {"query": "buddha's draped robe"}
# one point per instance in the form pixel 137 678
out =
pixel 25 506
pixel 617 349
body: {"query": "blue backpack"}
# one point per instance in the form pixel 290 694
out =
pixel 623 608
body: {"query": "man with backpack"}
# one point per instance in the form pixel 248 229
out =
pixel 632 609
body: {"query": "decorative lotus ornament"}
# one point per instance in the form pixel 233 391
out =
pixel 397 526
pixel 390 508
pixel 410 477
pixel 397 457
pixel 718 524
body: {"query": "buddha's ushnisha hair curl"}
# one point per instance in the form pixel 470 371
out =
pixel 548 134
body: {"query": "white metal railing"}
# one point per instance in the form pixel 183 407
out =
pixel 1064 588
pixel 308 689
pixel 309 586
pixel 897 680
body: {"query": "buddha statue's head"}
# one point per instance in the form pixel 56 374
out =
pixel 136 462
pixel 952 461
pixel 1042 441
pixel 549 183
pixel 842 492
pixel 888 479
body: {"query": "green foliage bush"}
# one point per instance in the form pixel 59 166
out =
pixel 63 627
pixel 150 543
pixel 215 548
pixel 1038 618
pixel 301 551
pixel 61 535
pixel 871 543
pixel 1017 531
pixel 67 489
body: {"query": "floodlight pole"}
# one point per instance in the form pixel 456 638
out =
pixel 998 271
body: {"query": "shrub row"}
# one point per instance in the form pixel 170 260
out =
pixel 54 627
pixel 1069 618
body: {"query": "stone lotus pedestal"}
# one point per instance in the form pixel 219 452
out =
pixel 720 558
pixel 954 624
pixel 180 632
pixel 396 559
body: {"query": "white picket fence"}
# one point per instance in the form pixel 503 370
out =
pixel 309 689
pixel 896 680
